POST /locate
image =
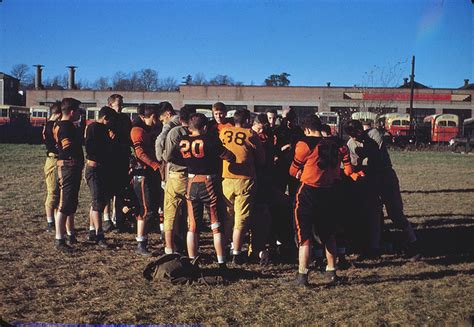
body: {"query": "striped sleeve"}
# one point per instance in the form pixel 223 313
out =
pixel 301 156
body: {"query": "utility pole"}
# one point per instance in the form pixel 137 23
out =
pixel 412 90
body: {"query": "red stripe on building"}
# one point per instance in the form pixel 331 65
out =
pixel 406 97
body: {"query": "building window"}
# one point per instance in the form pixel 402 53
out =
pixel 463 114
pixel 265 108
pixel 420 113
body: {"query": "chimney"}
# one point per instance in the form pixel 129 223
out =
pixel 466 82
pixel 328 84
pixel 405 81
pixel 71 83
pixel 38 81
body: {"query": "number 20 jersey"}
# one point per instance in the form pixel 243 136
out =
pixel 318 158
pixel 201 154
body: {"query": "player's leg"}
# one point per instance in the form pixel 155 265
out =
pixel 175 191
pixel 228 200
pixel 50 172
pixel 303 214
pixel 243 205
pixel 212 202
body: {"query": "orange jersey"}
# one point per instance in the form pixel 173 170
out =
pixel 143 145
pixel 318 158
pixel 247 148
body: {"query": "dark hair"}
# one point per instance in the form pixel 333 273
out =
pixel 326 128
pixel 165 106
pixel 271 110
pixel 113 97
pixel 185 113
pixel 107 112
pixel 311 122
pixel 219 106
pixel 241 116
pixel 261 118
pixel 69 104
pixel 353 128
pixel 55 108
pixel 291 115
pixel 141 109
pixel 197 121
pixel 150 109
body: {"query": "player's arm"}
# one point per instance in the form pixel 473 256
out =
pixel 302 152
pixel 172 146
pixel 224 153
pixel 259 151
pixel 160 142
pixel 138 145
pixel 65 138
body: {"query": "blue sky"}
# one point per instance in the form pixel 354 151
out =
pixel 314 41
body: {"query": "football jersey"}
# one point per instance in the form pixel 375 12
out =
pixel 318 158
pixel 69 141
pixel 201 154
pixel 247 148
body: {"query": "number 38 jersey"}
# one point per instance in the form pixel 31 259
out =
pixel 318 159
pixel 201 154
pixel 247 148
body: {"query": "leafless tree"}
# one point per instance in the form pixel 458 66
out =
pixel 222 80
pixel 22 72
pixel 102 84
pixel 149 79
pixel 168 84
pixel 199 79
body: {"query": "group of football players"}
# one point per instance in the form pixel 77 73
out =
pixel 273 189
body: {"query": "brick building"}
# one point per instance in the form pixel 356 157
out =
pixel 9 87
pixel 343 100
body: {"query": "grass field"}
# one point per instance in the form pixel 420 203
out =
pixel 38 284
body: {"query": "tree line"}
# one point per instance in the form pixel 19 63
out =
pixel 146 79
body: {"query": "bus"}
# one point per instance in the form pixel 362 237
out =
pixel 92 113
pixel 443 127
pixel 365 117
pixel 14 114
pixel 39 115
pixel 396 124
pixel 331 119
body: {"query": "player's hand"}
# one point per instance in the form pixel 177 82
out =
pixel 298 174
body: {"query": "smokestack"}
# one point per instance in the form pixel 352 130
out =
pixel 466 82
pixel 71 83
pixel 328 84
pixel 38 81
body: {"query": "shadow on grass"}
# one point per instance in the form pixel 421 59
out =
pixel 425 276
pixel 460 190
pixel 439 215
pixel 445 221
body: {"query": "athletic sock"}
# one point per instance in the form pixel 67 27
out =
pixel 303 271
pixel 168 250
pixel 220 259
pixel 71 233
pixel 235 252
pixel 91 228
pixel 106 217
pixel 141 238
pixel 330 268
pixel 50 219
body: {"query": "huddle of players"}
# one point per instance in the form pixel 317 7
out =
pixel 236 170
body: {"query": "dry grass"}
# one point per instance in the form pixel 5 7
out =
pixel 92 286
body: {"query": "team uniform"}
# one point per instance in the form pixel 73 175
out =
pixel 146 175
pixel 317 158
pixel 97 144
pixel 239 185
pixel 50 166
pixel 70 163
pixel 202 155
pixel 176 182
pixel 121 164
pixel 372 155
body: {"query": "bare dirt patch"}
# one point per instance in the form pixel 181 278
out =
pixel 37 284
